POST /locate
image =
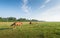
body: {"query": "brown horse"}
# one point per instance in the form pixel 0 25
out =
pixel 16 24
pixel 30 22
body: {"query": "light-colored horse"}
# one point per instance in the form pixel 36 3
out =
pixel 16 24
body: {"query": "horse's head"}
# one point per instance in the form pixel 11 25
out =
pixel 12 24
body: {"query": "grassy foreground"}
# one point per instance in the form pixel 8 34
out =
pixel 35 30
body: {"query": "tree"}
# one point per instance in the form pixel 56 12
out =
pixel 11 19
pixel 34 20
pixel 21 19
pixel 1 19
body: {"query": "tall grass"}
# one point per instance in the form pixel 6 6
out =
pixel 34 30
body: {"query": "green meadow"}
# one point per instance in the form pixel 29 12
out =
pixel 34 30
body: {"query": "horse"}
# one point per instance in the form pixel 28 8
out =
pixel 30 22
pixel 16 24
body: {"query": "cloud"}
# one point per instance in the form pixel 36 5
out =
pixel 42 6
pixel 52 14
pixel 47 1
pixel 25 7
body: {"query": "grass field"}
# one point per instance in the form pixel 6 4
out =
pixel 35 30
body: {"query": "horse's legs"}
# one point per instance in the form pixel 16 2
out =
pixel 14 26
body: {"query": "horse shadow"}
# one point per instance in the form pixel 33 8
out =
pixel 6 28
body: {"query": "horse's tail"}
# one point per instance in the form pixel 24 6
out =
pixel 21 23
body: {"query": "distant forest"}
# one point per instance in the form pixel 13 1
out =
pixel 13 19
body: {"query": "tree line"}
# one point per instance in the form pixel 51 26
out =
pixel 13 19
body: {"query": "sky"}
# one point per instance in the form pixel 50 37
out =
pixel 46 10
